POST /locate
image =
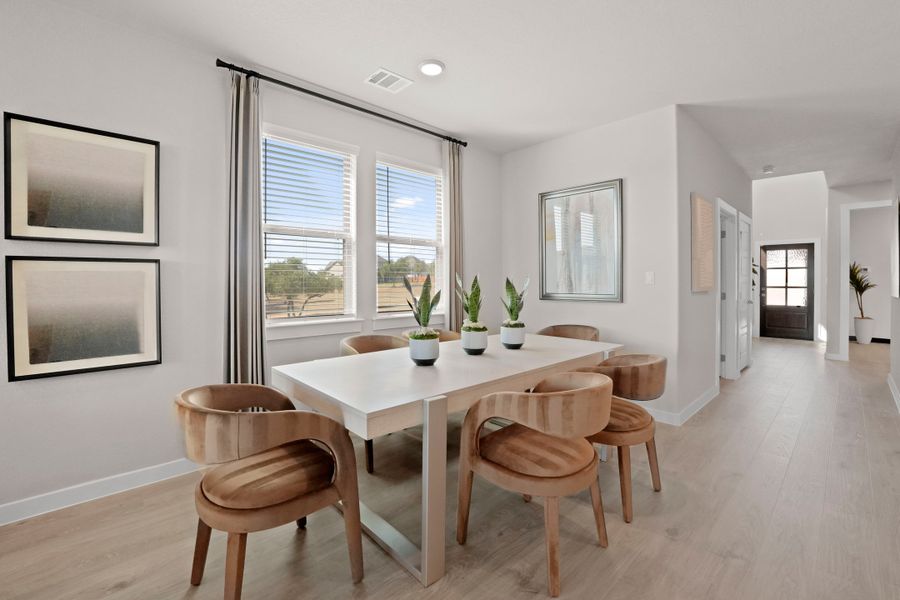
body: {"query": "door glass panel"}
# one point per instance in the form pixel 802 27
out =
pixel 796 277
pixel 797 257
pixel 775 277
pixel 775 296
pixel 796 296
pixel 775 259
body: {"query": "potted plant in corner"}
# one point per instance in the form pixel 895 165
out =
pixel 474 333
pixel 859 281
pixel 424 345
pixel 512 332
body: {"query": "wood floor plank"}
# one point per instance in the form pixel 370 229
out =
pixel 785 486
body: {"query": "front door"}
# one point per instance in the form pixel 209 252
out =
pixel 786 293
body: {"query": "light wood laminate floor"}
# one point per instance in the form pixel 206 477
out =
pixel 785 486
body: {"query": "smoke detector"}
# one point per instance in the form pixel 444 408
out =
pixel 388 80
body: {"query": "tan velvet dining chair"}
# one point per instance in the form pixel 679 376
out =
pixel 542 453
pixel 638 377
pixel 363 344
pixel 276 465
pixel 576 332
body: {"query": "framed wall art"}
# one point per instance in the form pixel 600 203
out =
pixel 70 183
pixel 895 252
pixel 74 315
pixel 703 244
pixel 581 243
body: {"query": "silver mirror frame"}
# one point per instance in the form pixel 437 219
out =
pixel 616 295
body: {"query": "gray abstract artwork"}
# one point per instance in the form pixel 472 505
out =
pixel 81 185
pixel 74 315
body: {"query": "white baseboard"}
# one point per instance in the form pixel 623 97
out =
pixel 895 390
pixel 91 490
pixel 680 418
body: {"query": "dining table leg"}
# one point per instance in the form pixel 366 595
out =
pixel 434 489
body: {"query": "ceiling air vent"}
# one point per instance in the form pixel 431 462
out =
pixel 386 80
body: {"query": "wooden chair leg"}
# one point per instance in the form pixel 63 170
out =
pixel 201 546
pixel 654 464
pixel 370 457
pixel 624 455
pixel 599 518
pixel 301 523
pixel 353 529
pixel 234 565
pixel 463 502
pixel 551 524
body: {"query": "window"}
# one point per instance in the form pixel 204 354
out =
pixel 308 195
pixel 409 232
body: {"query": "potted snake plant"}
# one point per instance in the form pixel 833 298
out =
pixel 424 345
pixel 512 332
pixel 474 333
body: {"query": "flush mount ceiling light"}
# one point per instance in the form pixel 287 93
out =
pixel 768 170
pixel 432 67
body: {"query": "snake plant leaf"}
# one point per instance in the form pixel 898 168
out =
pixel 510 289
pixel 435 300
pixel 408 286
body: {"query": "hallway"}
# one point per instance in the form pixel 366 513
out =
pixel 785 486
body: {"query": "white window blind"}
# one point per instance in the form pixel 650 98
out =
pixel 308 198
pixel 409 232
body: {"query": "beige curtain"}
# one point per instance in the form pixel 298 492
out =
pixel 454 209
pixel 246 331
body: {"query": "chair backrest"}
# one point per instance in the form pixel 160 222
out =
pixel 363 344
pixel 577 332
pixel 635 376
pixel 568 405
pixel 445 335
pixel 211 416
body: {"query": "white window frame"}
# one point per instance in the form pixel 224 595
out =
pixel 280 329
pixel 392 319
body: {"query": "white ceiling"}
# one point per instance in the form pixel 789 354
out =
pixel 801 84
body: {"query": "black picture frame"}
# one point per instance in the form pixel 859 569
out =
pixel 13 319
pixel 13 228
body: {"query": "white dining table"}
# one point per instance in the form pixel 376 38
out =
pixel 383 392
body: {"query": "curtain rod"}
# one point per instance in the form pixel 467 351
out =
pixel 221 63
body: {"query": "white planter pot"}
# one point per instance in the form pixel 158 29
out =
pixel 424 352
pixel 474 342
pixel 864 330
pixel 512 337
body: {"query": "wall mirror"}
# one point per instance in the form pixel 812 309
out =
pixel 581 243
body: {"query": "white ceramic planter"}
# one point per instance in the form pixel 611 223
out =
pixel 512 337
pixel 864 330
pixel 474 342
pixel 424 352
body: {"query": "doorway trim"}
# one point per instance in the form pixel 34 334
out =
pixel 742 218
pixel 729 369
pixel 844 321
pixel 818 282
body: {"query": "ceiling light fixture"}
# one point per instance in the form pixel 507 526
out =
pixel 432 67
pixel 768 170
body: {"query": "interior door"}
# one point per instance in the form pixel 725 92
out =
pixel 745 295
pixel 787 291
